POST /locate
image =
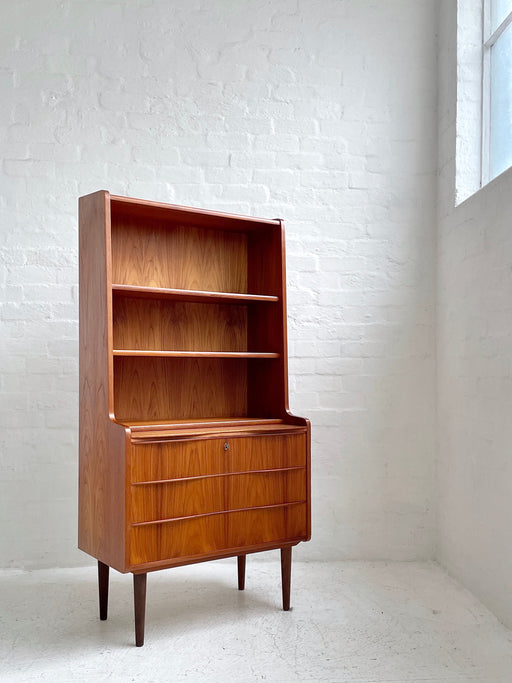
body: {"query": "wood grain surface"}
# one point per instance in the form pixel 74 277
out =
pixel 221 478
pixel 155 255
pixel 191 538
pixel 175 388
pixel 101 519
pixel 148 324
pixel 145 210
pixel 189 295
pixel 174 460
pixel 186 498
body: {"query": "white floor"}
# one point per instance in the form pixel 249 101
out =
pixel 351 621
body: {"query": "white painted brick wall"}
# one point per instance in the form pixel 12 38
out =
pixel 323 113
pixel 474 356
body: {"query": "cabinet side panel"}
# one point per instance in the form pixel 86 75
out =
pixel 308 480
pixel 101 443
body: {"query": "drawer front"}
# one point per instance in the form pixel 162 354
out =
pixel 265 452
pixel 178 459
pixel 177 499
pixel 258 489
pixel 252 527
pixel 174 540
pixel 185 498
pixel 198 536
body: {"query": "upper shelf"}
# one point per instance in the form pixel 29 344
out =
pixel 184 215
pixel 191 295
pixel 192 354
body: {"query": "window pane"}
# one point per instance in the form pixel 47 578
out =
pixel 500 149
pixel 499 10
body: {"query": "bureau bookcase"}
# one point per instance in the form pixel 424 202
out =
pixel 188 451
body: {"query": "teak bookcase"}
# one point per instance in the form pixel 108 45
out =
pixel 188 451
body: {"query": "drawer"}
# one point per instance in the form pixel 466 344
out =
pixel 258 489
pixel 212 534
pixel 177 499
pixel 218 493
pixel 254 527
pixel 174 540
pixel 178 459
pixel 265 452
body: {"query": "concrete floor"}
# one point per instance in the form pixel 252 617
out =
pixel 351 621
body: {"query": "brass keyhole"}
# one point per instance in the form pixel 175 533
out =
pixel 226 446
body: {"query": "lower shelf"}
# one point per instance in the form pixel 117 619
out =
pixel 186 538
pixel 192 354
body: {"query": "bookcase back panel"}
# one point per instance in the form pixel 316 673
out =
pixel 160 325
pixel 165 389
pixel 153 254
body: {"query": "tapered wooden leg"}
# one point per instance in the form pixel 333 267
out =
pixel 241 572
pixel 286 571
pixel 139 601
pixel 103 570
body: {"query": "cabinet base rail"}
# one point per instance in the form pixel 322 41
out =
pixel 140 583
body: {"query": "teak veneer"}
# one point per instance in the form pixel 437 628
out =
pixel 188 451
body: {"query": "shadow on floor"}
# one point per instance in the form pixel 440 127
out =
pixel 177 602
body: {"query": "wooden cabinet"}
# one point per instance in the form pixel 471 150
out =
pixel 188 451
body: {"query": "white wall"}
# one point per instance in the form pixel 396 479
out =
pixel 474 364
pixel 320 112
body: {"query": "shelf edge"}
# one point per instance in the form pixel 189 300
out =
pixel 142 291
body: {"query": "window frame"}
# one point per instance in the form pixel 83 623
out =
pixel 489 39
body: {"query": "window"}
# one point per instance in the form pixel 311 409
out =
pixel 496 88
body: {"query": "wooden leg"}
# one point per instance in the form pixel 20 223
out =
pixel 286 571
pixel 241 572
pixel 103 570
pixel 139 601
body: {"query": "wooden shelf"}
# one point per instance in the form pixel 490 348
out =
pixel 192 354
pixel 144 210
pixel 191 295
pixel 211 429
pixel 236 421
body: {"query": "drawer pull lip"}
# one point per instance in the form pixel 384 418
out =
pixel 137 440
pixel 271 470
pixel 219 512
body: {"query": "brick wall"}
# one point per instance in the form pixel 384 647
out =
pixel 323 113
pixel 474 355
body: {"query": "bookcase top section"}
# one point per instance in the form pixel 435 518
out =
pixel 184 215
